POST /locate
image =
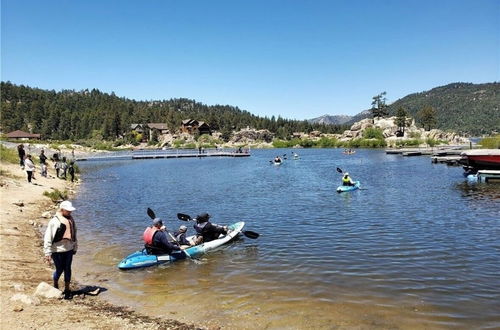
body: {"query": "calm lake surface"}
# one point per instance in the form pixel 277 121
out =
pixel 417 247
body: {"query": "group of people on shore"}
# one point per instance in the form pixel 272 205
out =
pixel 157 242
pixel 61 166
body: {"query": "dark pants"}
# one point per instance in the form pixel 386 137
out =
pixel 30 175
pixel 62 261
pixel 21 161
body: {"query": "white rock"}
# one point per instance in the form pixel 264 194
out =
pixel 18 286
pixel 25 299
pixel 47 291
pixel 46 215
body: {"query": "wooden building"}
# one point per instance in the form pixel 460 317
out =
pixel 192 126
pixel 20 135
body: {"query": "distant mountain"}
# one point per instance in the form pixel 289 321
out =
pixel 331 120
pixel 461 107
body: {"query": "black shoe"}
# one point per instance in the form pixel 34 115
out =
pixel 68 295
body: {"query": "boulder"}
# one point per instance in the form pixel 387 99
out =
pixel 251 136
pixel 362 125
pixel 25 299
pixel 47 291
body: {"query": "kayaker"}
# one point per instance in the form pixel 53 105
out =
pixel 347 181
pixel 207 231
pixel 60 243
pixel 155 238
pixel 180 236
pixel 277 159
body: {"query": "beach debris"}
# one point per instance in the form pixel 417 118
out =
pixel 18 308
pixel 20 203
pixel 47 291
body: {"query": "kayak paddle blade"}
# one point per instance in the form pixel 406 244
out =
pixel 251 234
pixel 151 213
pixel 183 217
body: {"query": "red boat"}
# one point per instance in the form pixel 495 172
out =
pixel 481 159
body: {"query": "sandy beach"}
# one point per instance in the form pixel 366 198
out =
pixel 21 224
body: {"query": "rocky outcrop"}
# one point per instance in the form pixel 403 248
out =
pixel 389 130
pixel 252 136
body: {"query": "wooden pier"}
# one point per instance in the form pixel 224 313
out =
pixel 169 153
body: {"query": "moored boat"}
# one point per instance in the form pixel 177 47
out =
pixel 142 258
pixel 481 159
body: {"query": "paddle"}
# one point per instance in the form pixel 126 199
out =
pixel 152 215
pixel 247 233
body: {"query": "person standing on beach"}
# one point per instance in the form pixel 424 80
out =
pixel 30 168
pixel 71 171
pixel 21 152
pixel 57 166
pixel 60 244
pixel 43 163
pixel 64 167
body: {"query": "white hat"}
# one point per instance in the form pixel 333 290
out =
pixel 66 205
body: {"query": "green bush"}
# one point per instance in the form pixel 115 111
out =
pixel 56 195
pixel 492 142
pixel 8 155
pixel 415 135
pixel 409 143
pixel 325 142
pixel 373 133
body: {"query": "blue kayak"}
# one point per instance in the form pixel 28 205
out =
pixel 140 259
pixel 357 184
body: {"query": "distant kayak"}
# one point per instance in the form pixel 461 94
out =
pixel 277 163
pixel 349 188
pixel 349 153
pixel 140 259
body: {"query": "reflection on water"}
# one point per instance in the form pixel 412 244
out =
pixel 417 247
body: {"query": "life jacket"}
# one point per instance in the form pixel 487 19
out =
pixel 346 180
pixel 61 230
pixel 148 235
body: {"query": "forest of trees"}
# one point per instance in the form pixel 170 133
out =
pixel 86 114
pixel 460 107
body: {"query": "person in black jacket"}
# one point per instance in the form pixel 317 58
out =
pixel 206 230
pixel 160 240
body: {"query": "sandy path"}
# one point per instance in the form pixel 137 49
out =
pixel 22 267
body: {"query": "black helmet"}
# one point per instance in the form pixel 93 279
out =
pixel 202 217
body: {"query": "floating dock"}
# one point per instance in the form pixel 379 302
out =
pixel 487 176
pixel 169 153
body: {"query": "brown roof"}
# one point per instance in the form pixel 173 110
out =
pixel 160 126
pixel 21 134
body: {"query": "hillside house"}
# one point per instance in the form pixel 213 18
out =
pixel 23 136
pixel 147 130
pixel 192 126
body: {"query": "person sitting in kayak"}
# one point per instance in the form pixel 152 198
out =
pixel 347 181
pixel 207 231
pixel 277 159
pixel 156 239
pixel 180 236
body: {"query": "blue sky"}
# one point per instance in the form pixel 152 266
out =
pixel 296 59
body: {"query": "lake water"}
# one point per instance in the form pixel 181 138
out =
pixel 417 247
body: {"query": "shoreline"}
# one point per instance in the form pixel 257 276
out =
pixel 21 223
